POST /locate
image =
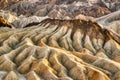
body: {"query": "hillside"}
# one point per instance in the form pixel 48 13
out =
pixel 60 50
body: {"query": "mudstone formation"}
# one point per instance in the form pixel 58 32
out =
pixel 61 9
pixel 59 40
pixel 59 50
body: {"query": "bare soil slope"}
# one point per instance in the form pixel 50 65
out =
pixel 61 9
pixel 60 50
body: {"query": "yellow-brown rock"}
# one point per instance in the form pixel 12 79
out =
pixel 60 50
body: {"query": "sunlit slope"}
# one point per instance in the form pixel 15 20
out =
pixel 60 50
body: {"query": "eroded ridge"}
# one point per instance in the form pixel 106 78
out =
pixel 60 50
pixel 111 21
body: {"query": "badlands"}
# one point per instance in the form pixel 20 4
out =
pixel 59 40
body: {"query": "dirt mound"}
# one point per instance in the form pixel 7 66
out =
pixel 60 50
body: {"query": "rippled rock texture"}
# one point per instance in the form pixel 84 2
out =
pixel 113 5
pixel 18 21
pixel 111 21
pixel 58 9
pixel 59 50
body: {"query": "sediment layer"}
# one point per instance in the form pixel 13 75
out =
pixel 60 50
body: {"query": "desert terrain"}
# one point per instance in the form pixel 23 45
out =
pixel 59 40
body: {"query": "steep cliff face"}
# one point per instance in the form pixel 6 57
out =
pixel 60 50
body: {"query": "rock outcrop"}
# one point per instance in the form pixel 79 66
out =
pixel 4 22
pixel 110 21
pixel 113 5
pixel 11 19
pixel 60 50
pixel 56 8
